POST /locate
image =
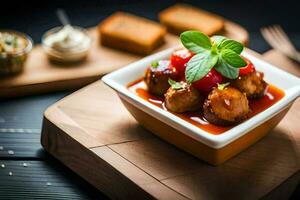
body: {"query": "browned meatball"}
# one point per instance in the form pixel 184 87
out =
pixel 157 76
pixel 226 107
pixel 184 99
pixel 252 84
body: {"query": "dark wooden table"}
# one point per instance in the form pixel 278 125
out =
pixel 26 170
pixel 30 171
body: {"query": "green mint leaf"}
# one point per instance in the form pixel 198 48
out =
pixel 199 65
pixel 226 69
pixel 223 85
pixel 218 39
pixel 175 85
pixel 154 64
pixel 219 52
pixel 232 45
pixel 195 41
pixel 232 58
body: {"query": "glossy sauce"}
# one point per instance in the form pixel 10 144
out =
pixel 272 95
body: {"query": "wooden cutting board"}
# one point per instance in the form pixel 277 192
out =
pixel 92 133
pixel 41 76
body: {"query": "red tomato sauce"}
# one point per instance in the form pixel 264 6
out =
pixel 272 95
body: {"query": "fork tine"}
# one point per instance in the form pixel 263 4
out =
pixel 279 40
pixel 275 36
pixel 281 34
pixel 276 41
pixel 269 37
pixel 283 42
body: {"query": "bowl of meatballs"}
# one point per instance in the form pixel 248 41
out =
pixel 209 97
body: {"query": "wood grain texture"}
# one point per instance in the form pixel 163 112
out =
pixel 42 180
pixel 92 133
pixel 24 146
pixel 20 126
pixel 41 76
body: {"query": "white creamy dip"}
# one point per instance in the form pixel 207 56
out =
pixel 68 40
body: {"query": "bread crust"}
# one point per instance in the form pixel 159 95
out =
pixel 131 33
pixel 183 17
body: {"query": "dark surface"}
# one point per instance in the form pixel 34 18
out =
pixel 20 123
pixel 20 119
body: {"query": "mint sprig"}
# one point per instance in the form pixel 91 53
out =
pixel 196 41
pixel 232 58
pixel 218 39
pixel 175 85
pixel 219 52
pixel 226 70
pixel 231 45
pixel 200 65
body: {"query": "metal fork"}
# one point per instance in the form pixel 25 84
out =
pixel 279 40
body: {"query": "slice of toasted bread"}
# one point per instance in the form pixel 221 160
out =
pixel 131 33
pixel 182 17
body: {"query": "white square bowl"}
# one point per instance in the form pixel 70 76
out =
pixel 214 149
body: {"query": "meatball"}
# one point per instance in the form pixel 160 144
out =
pixel 186 98
pixel 226 107
pixel 252 84
pixel 157 76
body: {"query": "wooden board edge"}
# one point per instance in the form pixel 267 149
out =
pixel 107 179
pixel 39 88
pixel 285 189
pixel 48 110
pixel 78 158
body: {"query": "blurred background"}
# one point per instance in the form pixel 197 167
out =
pixel 35 18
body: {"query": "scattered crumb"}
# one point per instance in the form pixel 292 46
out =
pixel 49 184
pixel 2 165
pixel 1 148
pixel 10 152
pixel 25 165
pixel 10 173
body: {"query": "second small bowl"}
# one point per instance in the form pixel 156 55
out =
pixel 74 54
pixel 12 63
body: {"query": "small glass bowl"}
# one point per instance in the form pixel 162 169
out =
pixel 13 63
pixel 66 57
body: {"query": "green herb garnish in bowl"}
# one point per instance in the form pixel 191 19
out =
pixel 218 52
pixel 14 48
